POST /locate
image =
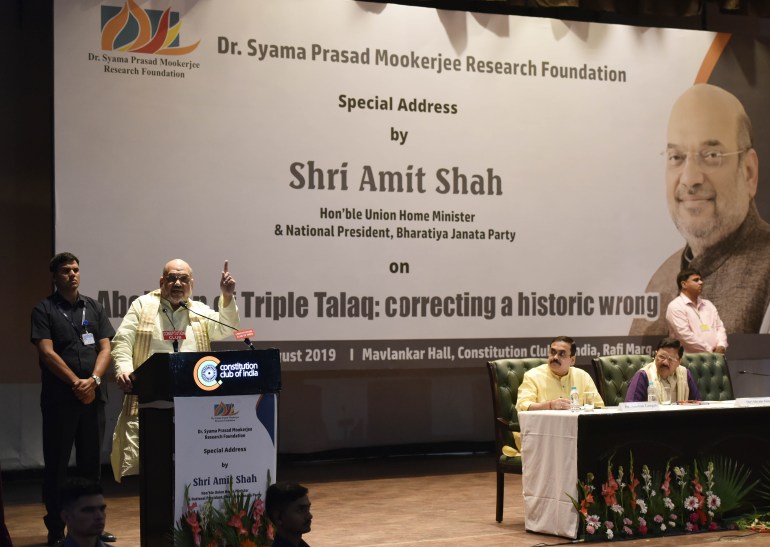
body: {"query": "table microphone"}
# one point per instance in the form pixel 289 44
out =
pixel 752 372
pixel 245 340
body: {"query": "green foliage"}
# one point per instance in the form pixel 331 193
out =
pixel 731 483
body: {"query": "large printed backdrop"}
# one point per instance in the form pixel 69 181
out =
pixel 390 184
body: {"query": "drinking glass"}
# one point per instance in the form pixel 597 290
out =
pixel 588 401
pixel 666 398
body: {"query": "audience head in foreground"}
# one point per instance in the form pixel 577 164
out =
pixel 288 507
pixel 83 511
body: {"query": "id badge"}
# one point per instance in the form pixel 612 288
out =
pixel 88 338
pixel 704 327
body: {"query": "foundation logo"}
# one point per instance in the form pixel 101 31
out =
pixel 225 410
pixel 131 29
pixel 205 373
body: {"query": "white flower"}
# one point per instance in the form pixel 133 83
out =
pixel 671 524
pixel 642 505
pixel 610 535
pixel 691 503
pixel 668 503
pixel 678 471
pixel 713 501
pixel 662 527
pixel 593 520
pixel 617 509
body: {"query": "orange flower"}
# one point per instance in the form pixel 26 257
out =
pixel 608 491
pixel 236 521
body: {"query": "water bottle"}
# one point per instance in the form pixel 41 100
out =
pixel 652 393
pixel 574 399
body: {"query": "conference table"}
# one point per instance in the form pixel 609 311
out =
pixel 560 447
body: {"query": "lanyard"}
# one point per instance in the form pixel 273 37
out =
pixel 83 320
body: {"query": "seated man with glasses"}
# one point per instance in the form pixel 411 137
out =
pixel 712 174
pixel 163 320
pixel 665 371
pixel 548 386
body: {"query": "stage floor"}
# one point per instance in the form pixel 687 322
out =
pixel 422 501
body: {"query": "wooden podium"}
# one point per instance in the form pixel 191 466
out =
pixel 210 378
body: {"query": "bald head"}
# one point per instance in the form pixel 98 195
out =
pixel 176 283
pixel 711 169
pixel 177 264
pixel 709 105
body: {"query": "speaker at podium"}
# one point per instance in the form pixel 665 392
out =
pixel 206 420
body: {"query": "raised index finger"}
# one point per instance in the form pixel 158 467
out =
pixel 225 266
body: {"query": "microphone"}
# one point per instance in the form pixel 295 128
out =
pixel 752 373
pixel 245 340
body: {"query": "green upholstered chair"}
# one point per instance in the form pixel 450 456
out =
pixel 505 377
pixel 614 372
pixel 711 374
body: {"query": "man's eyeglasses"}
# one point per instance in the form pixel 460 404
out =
pixel 707 160
pixel 561 354
pixel 663 358
pixel 172 279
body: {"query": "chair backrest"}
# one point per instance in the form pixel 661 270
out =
pixel 614 373
pixel 505 377
pixel 711 374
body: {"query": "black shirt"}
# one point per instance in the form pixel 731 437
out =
pixel 54 318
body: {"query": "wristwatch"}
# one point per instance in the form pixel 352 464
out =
pixel 97 380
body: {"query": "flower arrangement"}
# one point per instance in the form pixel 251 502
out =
pixel 241 521
pixel 674 500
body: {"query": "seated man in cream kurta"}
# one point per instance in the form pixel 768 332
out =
pixel 141 335
pixel 547 387
pixel 665 372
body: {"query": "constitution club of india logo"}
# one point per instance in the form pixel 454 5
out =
pixel 205 373
pixel 143 42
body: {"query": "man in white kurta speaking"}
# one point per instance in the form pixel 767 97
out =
pixel 153 324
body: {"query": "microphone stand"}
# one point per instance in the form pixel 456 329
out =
pixel 245 340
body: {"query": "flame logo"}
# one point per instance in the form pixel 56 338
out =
pixel 135 30
pixel 225 409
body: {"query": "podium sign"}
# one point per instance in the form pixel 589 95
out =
pixel 219 440
pixel 203 418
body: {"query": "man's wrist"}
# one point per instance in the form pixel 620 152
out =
pixel 97 380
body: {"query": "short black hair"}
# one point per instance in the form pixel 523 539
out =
pixel 684 275
pixel 75 488
pixel 280 495
pixel 567 339
pixel 672 343
pixel 61 259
